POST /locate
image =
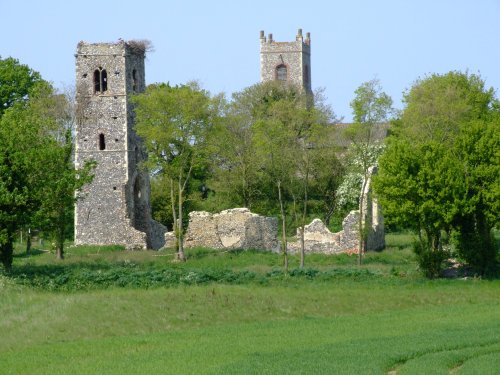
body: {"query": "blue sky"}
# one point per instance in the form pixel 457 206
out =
pixel 217 42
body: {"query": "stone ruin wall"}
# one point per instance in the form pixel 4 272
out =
pixel 373 218
pixel 236 228
pixel 317 237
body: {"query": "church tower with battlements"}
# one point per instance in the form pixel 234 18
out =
pixel 286 61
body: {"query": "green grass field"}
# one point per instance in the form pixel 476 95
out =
pixel 117 312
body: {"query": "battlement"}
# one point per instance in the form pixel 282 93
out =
pixel 298 38
pixel 119 48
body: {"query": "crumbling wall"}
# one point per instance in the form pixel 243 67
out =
pixel 157 234
pixel 372 216
pixel 319 239
pixel 237 228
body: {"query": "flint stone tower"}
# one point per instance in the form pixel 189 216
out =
pixel 115 207
pixel 286 61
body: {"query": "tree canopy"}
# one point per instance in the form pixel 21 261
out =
pixel 16 82
pixel 371 108
pixel 174 123
pixel 37 177
pixel 440 172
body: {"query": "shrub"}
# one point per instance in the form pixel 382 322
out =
pixel 430 260
pixel 479 251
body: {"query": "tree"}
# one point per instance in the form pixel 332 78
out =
pixel 37 178
pixel 174 123
pixel 371 108
pixel 313 154
pixel 275 156
pixel 16 82
pixel 61 182
pixel 478 152
pixel 439 173
pixel 234 173
pixel 291 141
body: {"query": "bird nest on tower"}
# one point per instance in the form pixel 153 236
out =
pixel 140 47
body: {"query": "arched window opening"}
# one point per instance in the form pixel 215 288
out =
pixel 134 80
pixel 97 81
pixel 306 74
pixel 281 72
pixel 104 81
pixel 102 142
pixel 100 81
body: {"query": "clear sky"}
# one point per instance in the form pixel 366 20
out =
pixel 217 42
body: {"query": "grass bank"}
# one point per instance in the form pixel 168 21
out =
pixel 333 318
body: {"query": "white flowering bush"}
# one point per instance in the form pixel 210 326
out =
pixel 350 189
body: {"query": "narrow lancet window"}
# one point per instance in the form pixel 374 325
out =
pixel 97 81
pixel 102 142
pixel 134 80
pixel 104 81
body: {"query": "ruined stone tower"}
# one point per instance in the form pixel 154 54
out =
pixel 115 207
pixel 286 61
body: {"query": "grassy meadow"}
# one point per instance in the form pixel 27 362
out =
pixel 109 311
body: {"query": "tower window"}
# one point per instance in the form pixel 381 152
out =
pixel 97 81
pixel 134 80
pixel 104 80
pixel 281 72
pixel 102 142
pixel 306 74
pixel 100 81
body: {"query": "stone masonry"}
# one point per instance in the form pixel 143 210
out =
pixel 288 61
pixel 317 237
pixel 373 218
pixel 115 207
pixel 236 228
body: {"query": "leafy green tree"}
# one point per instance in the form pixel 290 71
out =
pixel 478 152
pixel 274 151
pixel 37 177
pixel 235 176
pixel 313 153
pixel 416 186
pixel 174 123
pixel 15 198
pixel 371 109
pixel 439 173
pixel 292 141
pixel 16 82
pixel 60 183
